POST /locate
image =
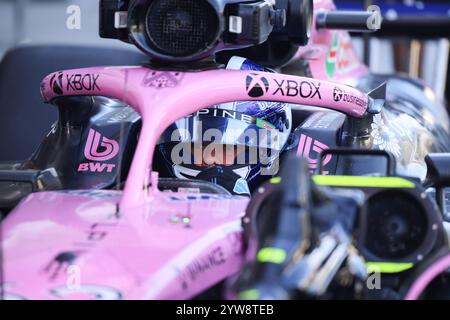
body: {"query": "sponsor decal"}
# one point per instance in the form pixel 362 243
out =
pixel 82 82
pixel 56 83
pixel 199 267
pixel 183 219
pixel 337 94
pixel 60 263
pixel 308 145
pixel 96 167
pixel 235 115
pixel 330 61
pixel 237 242
pixel 223 113
pixel 93 235
pixel 264 124
pixel 257 85
pixel 341 57
pixel 74 82
pixel 98 232
pixel 292 88
pixel 341 95
pixel 161 80
pixel 96 142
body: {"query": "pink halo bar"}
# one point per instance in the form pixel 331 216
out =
pixel 426 277
pixel 162 97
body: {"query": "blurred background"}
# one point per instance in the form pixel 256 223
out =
pixel 44 22
pixel 414 39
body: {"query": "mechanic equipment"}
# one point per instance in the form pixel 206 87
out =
pixel 190 30
pixel 299 250
pixel 401 225
pixel 438 177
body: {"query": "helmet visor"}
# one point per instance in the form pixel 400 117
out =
pixel 226 127
pixel 216 136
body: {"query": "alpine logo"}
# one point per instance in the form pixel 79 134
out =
pixel 341 95
pixel 99 148
pixel 308 145
pixel 257 85
pixel 56 83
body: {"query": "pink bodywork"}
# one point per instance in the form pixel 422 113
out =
pixel 330 53
pixel 141 243
pixel 139 253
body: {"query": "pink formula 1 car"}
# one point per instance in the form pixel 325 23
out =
pixel 161 238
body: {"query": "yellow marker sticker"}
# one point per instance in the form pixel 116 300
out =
pixel 273 255
pixel 360 181
pixel 388 267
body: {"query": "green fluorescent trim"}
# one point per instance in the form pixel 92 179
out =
pixel 275 180
pixel 273 255
pixel 359 181
pixel 388 267
pixel 250 294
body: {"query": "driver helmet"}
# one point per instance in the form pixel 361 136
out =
pixel 235 145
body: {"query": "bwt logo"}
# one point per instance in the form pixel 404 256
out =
pixel 95 142
pixel 308 145
pixel 257 85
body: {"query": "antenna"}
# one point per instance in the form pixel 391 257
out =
pixel 121 133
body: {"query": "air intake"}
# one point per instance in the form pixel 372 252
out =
pixel 181 27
